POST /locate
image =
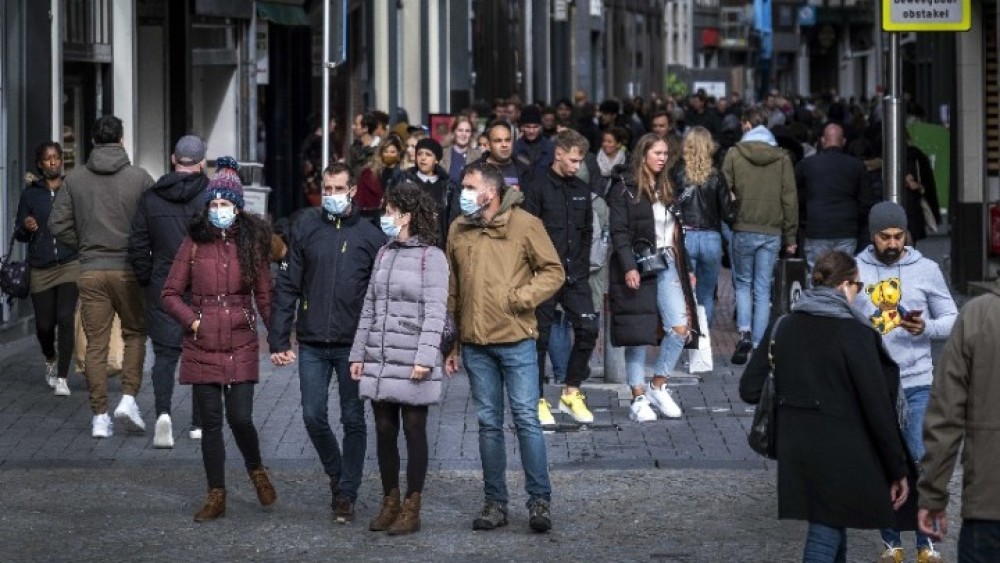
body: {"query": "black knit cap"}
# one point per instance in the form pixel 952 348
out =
pixel 431 145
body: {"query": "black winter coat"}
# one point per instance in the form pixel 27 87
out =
pixel 564 206
pixel 326 272
pixel 839 445
pixel 833 194
pixel 160 224
pixel 703 206
pixel 445 193
pixel 44 251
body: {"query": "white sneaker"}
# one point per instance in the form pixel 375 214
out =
pixel 640 410
pixel 661 399
pixel 62 388
pixel 50 374
pixel 102 426
pixel 128 414
pixel 195 434
pixel 164 433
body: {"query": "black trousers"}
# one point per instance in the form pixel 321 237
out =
pixel 414 417
pixel 164 367
pixel 578 304
pixel 236 401
pixel 56 307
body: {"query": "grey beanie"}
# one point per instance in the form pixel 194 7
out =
pixel 886 215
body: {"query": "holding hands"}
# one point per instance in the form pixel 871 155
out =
pixel 283 358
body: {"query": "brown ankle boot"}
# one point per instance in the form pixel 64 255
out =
pixel 388 514
pixel 215 506
pixel 409 518
pixel 265 491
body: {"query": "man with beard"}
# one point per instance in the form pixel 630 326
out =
pixel 501 137
pixel 910 305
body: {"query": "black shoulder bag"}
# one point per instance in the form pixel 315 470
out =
pixel 15 275
pixel 762 430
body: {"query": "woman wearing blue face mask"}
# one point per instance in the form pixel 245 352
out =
pixel 396 354
pixel 224 266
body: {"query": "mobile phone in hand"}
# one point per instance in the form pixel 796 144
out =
pixel 912 316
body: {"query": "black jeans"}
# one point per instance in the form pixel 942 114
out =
pixel 578 304
pixel 239 413
pixel 164 367
pixel 979 541
pixel 56 307
pixel 387 416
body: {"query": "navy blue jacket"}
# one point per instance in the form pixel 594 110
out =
pixel 326 272
pixel 43 249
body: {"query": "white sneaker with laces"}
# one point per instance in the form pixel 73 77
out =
pixel 662 400
pixel 195 434
pixel 640 411
pixel 164 432
pixel 62 388
pixel 128 414
pixel 50 374
pixel 102 427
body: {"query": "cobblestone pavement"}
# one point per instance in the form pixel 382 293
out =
pixel 671 490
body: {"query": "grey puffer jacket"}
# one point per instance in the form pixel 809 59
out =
pixel 401 324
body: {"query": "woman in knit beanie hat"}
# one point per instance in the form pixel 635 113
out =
pixel 223 264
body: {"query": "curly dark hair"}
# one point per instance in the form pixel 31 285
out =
pixel 253 241
pixel 407 197
pixel 40 152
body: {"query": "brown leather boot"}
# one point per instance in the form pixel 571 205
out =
pixel 409 518
pixel 265 491
pixel 215 506
pixel 388 514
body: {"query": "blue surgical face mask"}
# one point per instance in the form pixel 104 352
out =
pixel 469 203
pixel 389 226
pixel 336 204
pixel 222 217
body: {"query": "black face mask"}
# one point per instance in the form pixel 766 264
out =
pixel 52 174
pixel 889 255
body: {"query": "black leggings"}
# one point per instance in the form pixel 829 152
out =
pixel 56 307
pixel 387 416
pixel 208 398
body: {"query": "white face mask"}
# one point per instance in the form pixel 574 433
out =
pixel 469 203
pixel 222 217
pixel 336 204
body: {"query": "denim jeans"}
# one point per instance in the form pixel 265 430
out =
pixel 490 368
pixel 673 312
pixel 754 256
pixel 825 544
pixel 559 345
pixel 316 367
pixel 916 407
pixel 635 366
pixel 816 247
pixel 979 541
pixel 704 252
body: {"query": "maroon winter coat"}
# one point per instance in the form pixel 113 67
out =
pixel 225 350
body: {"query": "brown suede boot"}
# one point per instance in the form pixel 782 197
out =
pixel 388 514
pixel 409 518
pixel 215 506
pixel 265 491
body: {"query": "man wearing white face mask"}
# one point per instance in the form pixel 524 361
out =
pixel 330 255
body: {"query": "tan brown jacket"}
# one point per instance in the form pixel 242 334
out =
pixel 965 405
pixel 500 271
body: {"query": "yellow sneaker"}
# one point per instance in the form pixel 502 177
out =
pixel 929 555
pixel 545 413
pixel 891 555
pixel 574 405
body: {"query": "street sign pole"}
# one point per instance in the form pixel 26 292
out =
pixel 326 85
pixel 894 145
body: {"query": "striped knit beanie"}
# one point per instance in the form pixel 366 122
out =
pixel 226 183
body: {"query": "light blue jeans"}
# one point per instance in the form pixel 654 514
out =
pixel 673 312
pixel 490 369
pixel 916 407
pixel 704 253
pixel 816 247
pixel 754 256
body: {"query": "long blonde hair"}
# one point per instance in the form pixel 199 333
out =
pixel 658 187
pixel 698 151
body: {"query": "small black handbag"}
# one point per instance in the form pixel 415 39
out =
pixel 762 431
pixel 648 259
pixel 15 275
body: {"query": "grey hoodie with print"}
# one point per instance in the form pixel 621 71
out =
pixel 913 283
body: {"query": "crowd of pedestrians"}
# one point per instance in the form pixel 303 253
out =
pixel 508 235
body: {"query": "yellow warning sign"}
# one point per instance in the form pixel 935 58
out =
pixel 926 15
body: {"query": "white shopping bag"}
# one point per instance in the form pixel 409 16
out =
pixel 700 359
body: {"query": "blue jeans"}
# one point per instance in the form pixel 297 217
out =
pixel 673 312
pixel 979 541
pixel 816 247
pixel 754 256
pixel 316 367
pixel 635 366
pixel 559 345
pixel 916 407
pixel 825 544
pixel 704 251
pixel 490 368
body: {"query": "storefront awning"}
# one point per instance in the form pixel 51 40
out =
pixel 282 13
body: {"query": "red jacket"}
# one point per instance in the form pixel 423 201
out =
pixel 225 350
